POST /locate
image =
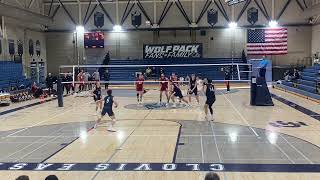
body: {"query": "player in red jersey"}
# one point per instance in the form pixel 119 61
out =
pixel 173 79
pixel 81 79
pixel 163 87
pixel 139 88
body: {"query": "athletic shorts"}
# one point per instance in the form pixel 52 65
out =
pixel 164 88
pixel 210 102
pixel 195 92
pixel 96 99
pixel 107 111
pixel 178 93
pixel 139 89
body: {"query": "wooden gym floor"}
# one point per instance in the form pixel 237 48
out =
pixel 243 143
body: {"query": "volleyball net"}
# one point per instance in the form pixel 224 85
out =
pixel 117 75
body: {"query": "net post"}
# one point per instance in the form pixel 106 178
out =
pixel 238 69
pixel 60 92
pixel 73 75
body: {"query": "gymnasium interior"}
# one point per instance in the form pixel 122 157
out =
pixel 159 89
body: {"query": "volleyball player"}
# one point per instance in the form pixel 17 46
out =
pixel 211 98
pixel 176 92
pixel 139 88
pixel 193 88
pixel 164 87
pixel 109 102
pixel 97 96
pixel 81 79
pixel 227 77
pixel 199 85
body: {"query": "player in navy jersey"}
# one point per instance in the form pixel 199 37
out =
pixel 176 91
pixel 109 102
pixel 97 96
pixel 193 88
pixel 211 98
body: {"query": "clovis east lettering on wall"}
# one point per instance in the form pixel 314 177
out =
pixel 171 51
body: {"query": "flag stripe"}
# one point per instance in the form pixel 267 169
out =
pixel 267 41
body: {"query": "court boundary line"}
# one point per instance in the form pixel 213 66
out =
pixel 124 141
pixel 241 116
pixel 63 147
pixel 177 144
pixel 297 107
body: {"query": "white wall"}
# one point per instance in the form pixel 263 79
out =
pixel 218 42
pixel 19 32
pixel 316 39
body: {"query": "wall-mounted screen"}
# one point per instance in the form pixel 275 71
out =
pixel 94 40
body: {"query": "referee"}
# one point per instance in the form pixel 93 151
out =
pixel 263 67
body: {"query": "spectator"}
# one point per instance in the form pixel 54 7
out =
pixel 86 80
pixel 148 72
pixel 187 78
pixel 287 76
pixel 96 75
pixel 296 74
pixel 154 71
pixel 316 59
pixel 36 91
pixel 49 82
pixel 227 76
pixel 22 178
pixel 161 71
pixel 65 79
pixel 212 176
pixel 181 79
pixel 106 78
pixel 69 79
pixel 52 177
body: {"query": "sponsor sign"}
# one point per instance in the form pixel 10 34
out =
pixel 171 51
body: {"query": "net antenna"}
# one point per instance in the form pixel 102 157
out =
pixel 239 72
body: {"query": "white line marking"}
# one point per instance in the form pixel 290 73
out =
pixel 297 150
pixel 57 115
pixel 35 149
pixel 37 141
pixel 202 156
pixel 144 135
pixel 215 141
pixel 241 116
pixel 284 153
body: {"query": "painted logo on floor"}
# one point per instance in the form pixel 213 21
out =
pixel 159 167
pixel 282 124
pixel 155 106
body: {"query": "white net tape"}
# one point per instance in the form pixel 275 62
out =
pixel 126 74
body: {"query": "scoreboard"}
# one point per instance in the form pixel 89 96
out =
pixel 94 40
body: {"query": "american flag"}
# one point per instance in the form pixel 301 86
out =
pixel 272 41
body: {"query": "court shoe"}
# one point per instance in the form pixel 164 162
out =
pixel 174 105
pixel 111 129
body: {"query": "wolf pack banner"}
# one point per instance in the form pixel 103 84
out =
pixel 165 51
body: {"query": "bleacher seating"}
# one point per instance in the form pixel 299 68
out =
pixel 306 85
pixel 11 75
pixel 212 72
